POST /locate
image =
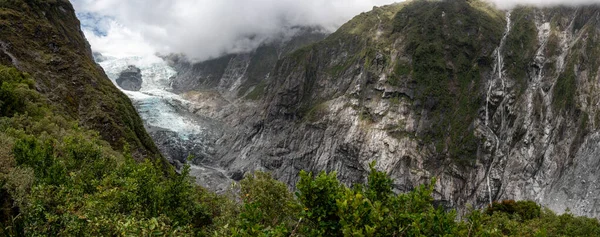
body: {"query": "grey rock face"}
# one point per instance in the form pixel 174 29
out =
pixel 321 108
pixel 130 79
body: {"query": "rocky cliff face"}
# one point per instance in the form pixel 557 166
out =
pixel 43 38
pixel 495 104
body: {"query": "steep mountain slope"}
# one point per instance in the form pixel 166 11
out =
pixel 497 105
pixel 43 38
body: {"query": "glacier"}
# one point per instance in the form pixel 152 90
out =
pixel 177 132
pixel 155 103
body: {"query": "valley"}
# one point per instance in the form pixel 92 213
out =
pixel 371 92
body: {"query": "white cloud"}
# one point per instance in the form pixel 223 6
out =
pixel 209 28
pixel 119 41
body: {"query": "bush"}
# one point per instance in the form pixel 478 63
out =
pixel 525 210
pixel 268 201
pixel 16 92
pixel 39 155
pixel 319 196
pixel 379 185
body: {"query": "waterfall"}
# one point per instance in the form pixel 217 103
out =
pixel 499 71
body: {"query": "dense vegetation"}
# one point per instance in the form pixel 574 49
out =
pixel 57 179
pixel 450 44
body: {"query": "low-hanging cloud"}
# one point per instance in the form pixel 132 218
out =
pixel 204 29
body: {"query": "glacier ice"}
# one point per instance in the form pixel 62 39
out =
pixel 155 103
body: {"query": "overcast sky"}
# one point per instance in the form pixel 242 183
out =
pixel 204 29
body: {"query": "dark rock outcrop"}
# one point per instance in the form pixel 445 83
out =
pixel 130 79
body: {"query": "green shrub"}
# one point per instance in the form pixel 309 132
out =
pixel 319 195
pixel 526 210
pixel 277 204
pixel 379 185
pixel 39 155
pixel 16 92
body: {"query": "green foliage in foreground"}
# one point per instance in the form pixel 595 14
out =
pixel 58 179
pixel 322 206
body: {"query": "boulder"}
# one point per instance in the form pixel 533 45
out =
pixel 130 79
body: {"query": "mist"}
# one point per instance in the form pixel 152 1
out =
pixel 203 29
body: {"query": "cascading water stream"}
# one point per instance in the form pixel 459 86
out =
pixel 499 67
